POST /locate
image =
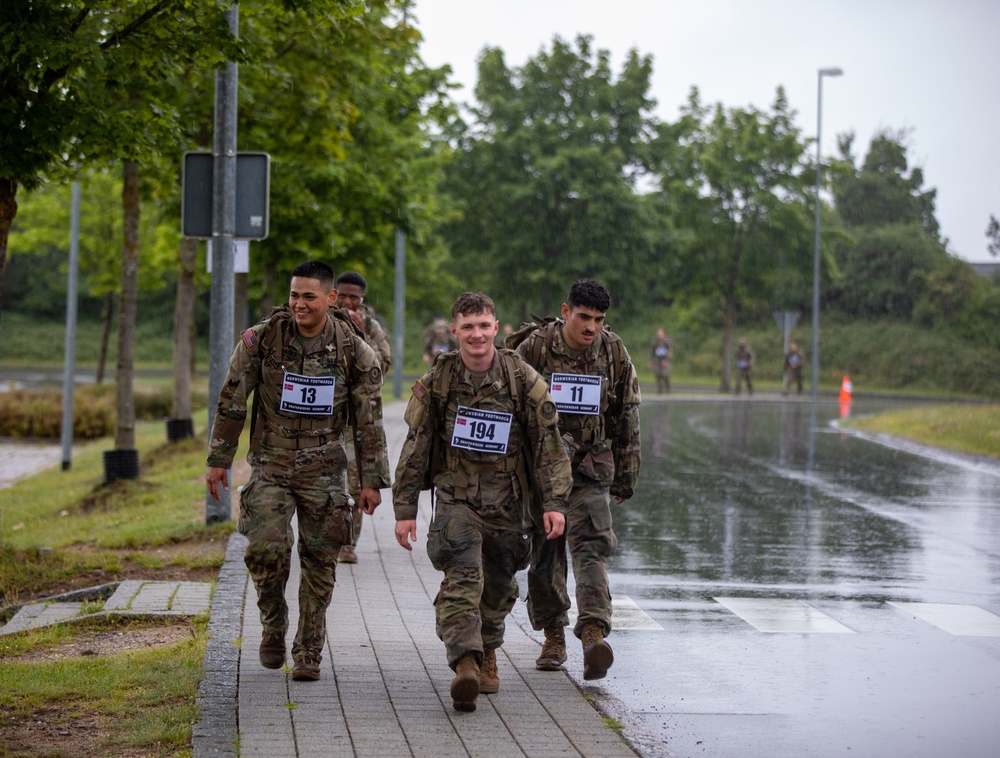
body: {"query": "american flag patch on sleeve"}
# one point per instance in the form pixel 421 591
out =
pixel 419 390
pixel 250 339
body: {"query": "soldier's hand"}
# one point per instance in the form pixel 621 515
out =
pixel 358 318
pixel 406 532
pixel 213 477
pixel 620 492
pixel 369 500
pixel 555 524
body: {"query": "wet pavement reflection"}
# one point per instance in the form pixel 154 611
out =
pixel 760 515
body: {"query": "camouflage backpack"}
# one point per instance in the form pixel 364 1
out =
pixel 538 355
pixel 444 365
pixel 273 335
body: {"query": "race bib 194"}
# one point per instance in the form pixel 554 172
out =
pixel 307 395
pixel 481 431
pixel 576 393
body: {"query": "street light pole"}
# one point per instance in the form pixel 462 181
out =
pixel 819 170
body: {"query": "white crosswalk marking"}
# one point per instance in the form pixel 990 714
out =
pixel 782 615
pixel 625 614
pixel 960 620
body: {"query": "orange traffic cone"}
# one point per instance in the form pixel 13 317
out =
pixel 846 388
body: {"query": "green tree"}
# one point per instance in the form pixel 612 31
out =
pixel 993 234
pixel 893 244
pixel 62 63
pixel 352 157
pixel 885 190
pixel 544 178
pixel 734 183
pixel 42 231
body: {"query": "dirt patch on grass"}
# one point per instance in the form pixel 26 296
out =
pixel 49 731
pixel 66 729
pixel 111 641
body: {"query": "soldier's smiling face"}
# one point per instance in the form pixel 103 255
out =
pixel 309 302
pixel 582 325
pixel 475 333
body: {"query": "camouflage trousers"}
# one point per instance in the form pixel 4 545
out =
pixel 743 375
pixel 293 482
pixel 353 483
pixel 479 558
pixel 591 542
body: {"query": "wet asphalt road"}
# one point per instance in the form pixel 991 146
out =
pixel 766 558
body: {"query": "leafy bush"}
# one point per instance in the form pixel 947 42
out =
pixel 38 413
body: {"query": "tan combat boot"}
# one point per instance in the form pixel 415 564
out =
pixel 305 668
pixel 553 649
pixel 347 554
pixel 597 654
pixel 272 650
pixel 489 677
pixel 465 685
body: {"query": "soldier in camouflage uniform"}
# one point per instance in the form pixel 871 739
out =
pixel 795 362
pixel 744 366
pixel 438 338
pixel 596 391
pixel 482 426
pixel 309 373
pixel 351 288
pixel 661 351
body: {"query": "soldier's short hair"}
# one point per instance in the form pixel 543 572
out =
pixel 315 270
pixel 588 293
pixel 353 277
pixel 470 303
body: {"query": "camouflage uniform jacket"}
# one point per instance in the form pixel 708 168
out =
pixel 483 481
pixel 604 446
pixel 258 365
pixel 744 358
pixel 377 336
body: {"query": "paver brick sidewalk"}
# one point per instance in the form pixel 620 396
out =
pixel 385 682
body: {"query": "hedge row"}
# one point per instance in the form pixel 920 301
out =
pixel 38 413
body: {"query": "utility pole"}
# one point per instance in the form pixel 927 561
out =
pixel 69 353
pixel 220 340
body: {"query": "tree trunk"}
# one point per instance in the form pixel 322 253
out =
pixel 729 325
pixel 183 316
pixel 193 337
pixel 102 351
pixel 8 210
pixel 124 397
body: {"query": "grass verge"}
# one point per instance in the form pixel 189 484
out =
pixel 972 429
pixel 151 527
pixel 137 703
pixel 100 686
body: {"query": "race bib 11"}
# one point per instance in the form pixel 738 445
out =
pixel 576 393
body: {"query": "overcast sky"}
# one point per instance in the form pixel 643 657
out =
pixel 930 66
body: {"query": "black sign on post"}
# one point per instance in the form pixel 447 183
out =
pixel 253 191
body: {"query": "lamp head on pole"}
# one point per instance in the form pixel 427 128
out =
pixel 831 72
